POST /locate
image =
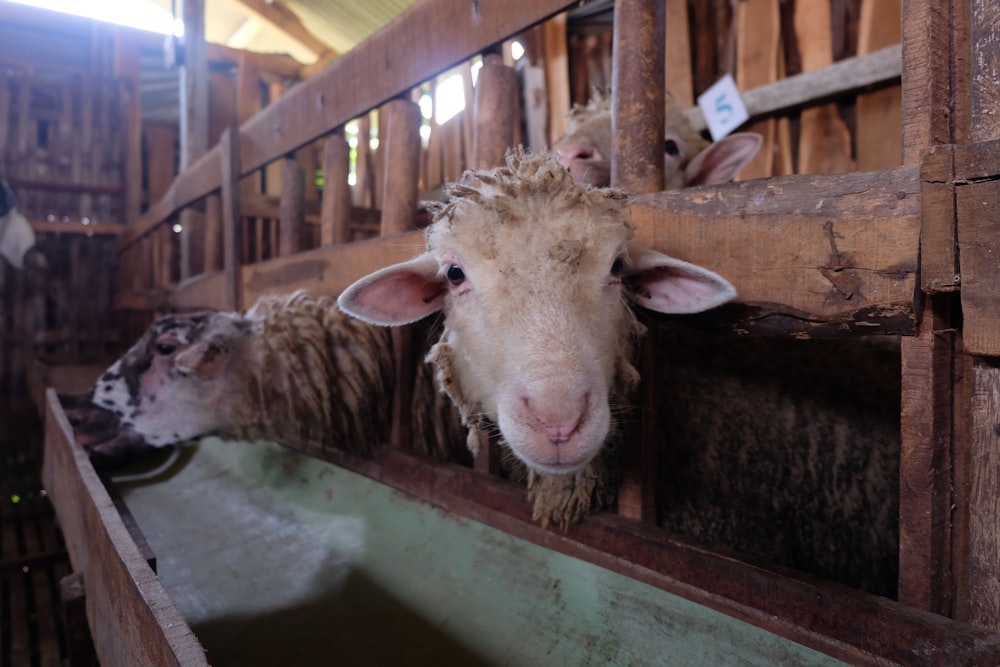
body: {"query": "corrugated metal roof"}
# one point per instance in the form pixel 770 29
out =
pixel 343 24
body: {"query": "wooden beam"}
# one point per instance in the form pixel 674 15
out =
pixel 132 620
pixel 284 19
pixel 758 44
pixel 496 113
pixel 293 208
pixel 878 141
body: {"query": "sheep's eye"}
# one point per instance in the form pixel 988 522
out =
pixel 456 276
pixel 166 349
pixel 617 266
pixel 671 148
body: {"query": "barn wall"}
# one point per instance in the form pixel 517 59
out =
pixel 62 152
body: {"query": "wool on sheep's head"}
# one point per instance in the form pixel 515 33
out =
pixel 688 158
pixel 535 274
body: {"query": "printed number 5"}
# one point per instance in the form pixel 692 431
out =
pixel 723 109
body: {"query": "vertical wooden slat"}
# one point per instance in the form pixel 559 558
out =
pixel 557 74
pixel 879 113
pixel 335 220
pixel 637 166
pixel 677 60
pixel 496 113
pixel 364 195
pixel 293 208
pixel 401 147
pixel 231 224
pixel 758 43
pixel 824 140
pixel 127 67
pixel 194 125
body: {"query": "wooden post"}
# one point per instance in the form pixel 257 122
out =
pixel 638 106
pixel 933 500
pixel 231 223
pixel 495 113
pixel 637 166
pixel 335 225
pixel 402 165
pixel 194 124
pixel 978 255
pixel 293 207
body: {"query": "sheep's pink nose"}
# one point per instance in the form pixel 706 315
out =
pixel 569 154
pixel 558 426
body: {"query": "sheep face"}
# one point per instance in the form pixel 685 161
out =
pixel 535 275
pixel 173 385
pixel 585 149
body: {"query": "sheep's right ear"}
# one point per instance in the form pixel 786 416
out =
pixel 398 294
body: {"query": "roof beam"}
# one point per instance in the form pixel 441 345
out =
pixel 284 19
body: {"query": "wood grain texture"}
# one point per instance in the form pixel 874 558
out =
pixel 335 225
pixel 293 208
pixel 496 114
pixel 402 165
pixel 824 245
pixel 878 139
pixel 131 618
pixel 758 43
pixel 939 270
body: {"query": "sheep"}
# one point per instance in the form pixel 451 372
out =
pixel 535 273
pixel 585 148
pixel 292 368
pixel 538 334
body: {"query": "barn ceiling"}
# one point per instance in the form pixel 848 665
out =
pixel 269 26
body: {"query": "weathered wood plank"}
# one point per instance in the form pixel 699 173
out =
pixel 878 135
pixel 926 454
pixel 823 245
pixel 496 113
pixel 335 225
pixel 939 270
pixel 758 43
pixel 132 620
pixel 401 146
pixel 293 208
pixel 327 270
pixel 824 140
pixel 677 55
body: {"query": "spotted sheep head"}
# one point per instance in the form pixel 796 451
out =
pixel 536 276
pixel 172 386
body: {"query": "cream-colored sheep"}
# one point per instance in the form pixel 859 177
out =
pixel 292 368
pixel 536 275
pixel 585 148
pixel 787 450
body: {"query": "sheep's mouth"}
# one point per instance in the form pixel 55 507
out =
pixel 109 443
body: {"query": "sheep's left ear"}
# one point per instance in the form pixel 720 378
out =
pixel 722 160
pixel 398 294
pixel 669 285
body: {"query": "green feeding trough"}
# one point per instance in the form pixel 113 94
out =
pixel 277 558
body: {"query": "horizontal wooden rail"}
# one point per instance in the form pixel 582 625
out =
pixel 424 40
pixel 850 75
pixel 78 227
pixel 776 240
pixel 56 186
pixel 845 623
